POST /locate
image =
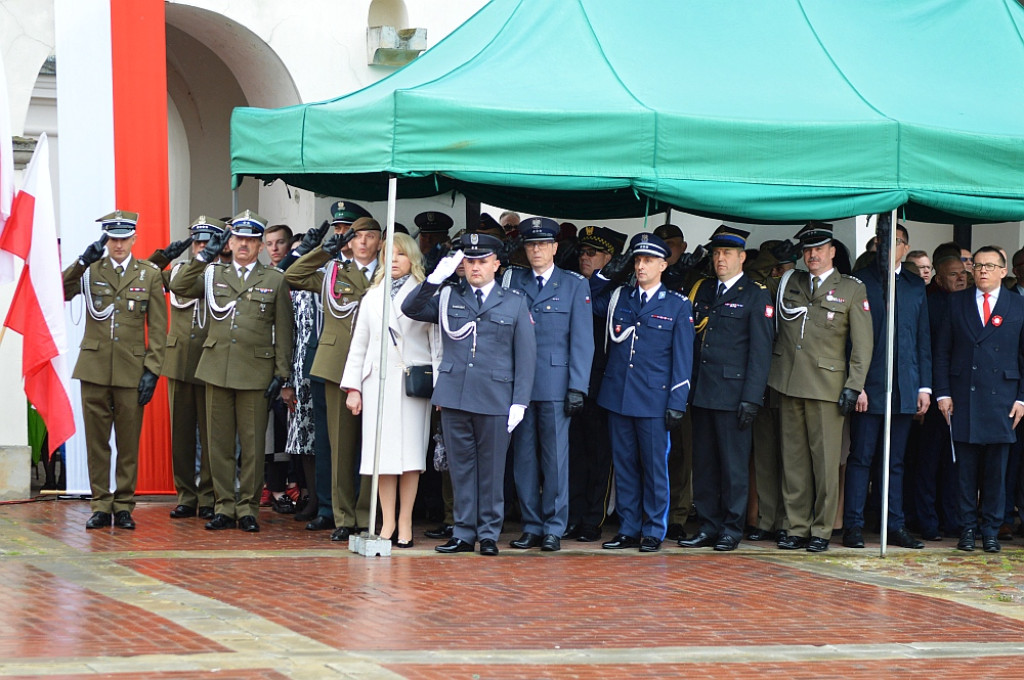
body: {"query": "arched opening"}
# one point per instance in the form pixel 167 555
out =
pixel 388 13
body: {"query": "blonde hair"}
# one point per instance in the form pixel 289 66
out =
pixel 408 247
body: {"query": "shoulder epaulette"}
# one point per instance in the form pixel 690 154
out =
pixel 515 290
pixel 275 268
pixel 759 284
pixel 150 264
pixel 852 278
pixel 579 276
pixel 678 294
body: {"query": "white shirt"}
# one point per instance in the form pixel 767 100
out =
pixel 486 289
pixel 546 275
pixel 650 293
pixel 127 261
pixel 370 268
pixel 821 278
pixel 728 284
pixel 980 299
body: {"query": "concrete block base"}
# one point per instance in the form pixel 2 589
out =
pixel 15 473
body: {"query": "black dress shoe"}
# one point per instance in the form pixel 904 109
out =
pixel 966 542
pixel 183 511
pixel 788 542
pixel 205 512
pixel 443 531
pixel 220 521
pixel 589 533
pixel 123 520
pixel 649 544
pixel 619 542
pixel 756 534
pixel 551 543
pixel 853 538
pixel 99 520
pixel 701 540
pixel 817 544
pixel 571 531
pixel 903 539
pixel 726 543
pixel 403 544
pixel 342 533
pixel 675 532
pixel 457 545
pixel 320 523
pixel 527 540
pixel 991 544
pixel 488 547
pixel 1005 532
pixel 248 523
pixel 307 513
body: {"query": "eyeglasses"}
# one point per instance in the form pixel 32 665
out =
pixel 987 266
pixel 901 242
pixel 589 252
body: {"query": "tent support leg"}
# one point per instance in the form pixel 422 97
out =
pixel 890 334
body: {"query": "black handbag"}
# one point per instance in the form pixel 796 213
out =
pixel 419 381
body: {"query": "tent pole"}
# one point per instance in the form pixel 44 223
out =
pixel 890 335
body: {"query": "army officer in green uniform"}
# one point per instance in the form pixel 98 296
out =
pixel 124 298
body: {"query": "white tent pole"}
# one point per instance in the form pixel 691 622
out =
pixel 890 336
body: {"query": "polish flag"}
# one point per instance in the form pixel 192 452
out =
pixel 6 173
pixel 37 309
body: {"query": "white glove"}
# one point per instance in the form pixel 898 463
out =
pixel 515 416
pixel 446 267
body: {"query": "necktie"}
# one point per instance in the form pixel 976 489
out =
pixel 540 283
pixel 986 310
pixel 242 273
pixel 643 300
pixel 721 289
pixel 119 269
pixel 365 271
pixel 479 297
pixel 815 282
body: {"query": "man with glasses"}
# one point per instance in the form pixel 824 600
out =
pixel 920 259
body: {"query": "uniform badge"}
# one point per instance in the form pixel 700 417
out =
pixel 865 305
pixel 997 321
pixel 830 316
pixel 618 328
pixel 586 300
pixel 769 311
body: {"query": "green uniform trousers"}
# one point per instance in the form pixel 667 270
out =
pixel 812 436
pixel 243 412
pixel 771 514
pixel 680 471
pixel 188 408
pixel 350 510
pixel 103 408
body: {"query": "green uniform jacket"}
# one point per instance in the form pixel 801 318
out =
pixel 251 344
pixel 350 285
pixel 186 337
pixel 114 351
pixel 814 365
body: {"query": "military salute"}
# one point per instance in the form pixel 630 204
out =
pixel 117 365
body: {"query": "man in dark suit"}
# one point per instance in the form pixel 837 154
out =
pixel 560 304
pixel 912 371
pixel 734 320
pixel 645 387
pixel 978 386
pixel 483 384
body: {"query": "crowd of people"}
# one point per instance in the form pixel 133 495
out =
pixel 560 376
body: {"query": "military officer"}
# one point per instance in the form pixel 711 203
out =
pixel 117 365
pixel 735 328
pixel 246 361
pixel 341 286
pixel 560 305
pixel 645 387
pixel 820 313
pixel 187 393
pixel 434 227
pixel 484 382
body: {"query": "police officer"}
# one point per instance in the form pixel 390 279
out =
pixel 734 320
pixel 484 382
pixel 118 367
pixel 820 313
pixel 645 387
pixel 246 361
pixel 560 304
pixel 434 227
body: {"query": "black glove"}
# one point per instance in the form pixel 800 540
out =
pixel 848 401
pixel 618 268
pixel 435 255
pixel 573 402
pixel 694 260
pixel 785 251
pixel 214 246
pixel 273 391
pixel 568 254
pixel 94 252
pixel 509 247
pixel 312 238
pixel 334 244
pixel 746 413
pixel 176 248
pixel 673 419
pixel 146 386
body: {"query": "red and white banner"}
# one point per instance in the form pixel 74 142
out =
pixel 37 309
pixel 6 172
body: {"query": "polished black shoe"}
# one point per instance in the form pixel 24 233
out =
pixel 527 540
pixel 701 540
pixel 966 542
pixel 551 543
pixel 307 513
pixel 990 544
pixel 220 521
pixel 443 531
pixel 619 542
pixel 589 533
pixel 675 532
pixel 853 538
pixel 726 543
pixel 249 523
pixel 320 523
pixel 457 545
pixel 205 512
pixel 649 544
pixel 181 511
pixel 123 520
pixel 571 531
pixel 488 547
pixel 341 533
pixel 817 544
pixel 755 534
pixel 903 539
pixel 788 542
pixel 404 544
pixel 99 520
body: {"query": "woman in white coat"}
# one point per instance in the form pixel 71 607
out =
pixel 406 427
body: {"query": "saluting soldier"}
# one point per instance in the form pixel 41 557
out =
pixel 341 286
pixel 735 328
pixel 246 361
pixel 820 313
pixel 118 367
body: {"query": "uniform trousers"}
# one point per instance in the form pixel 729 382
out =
pixel 103 408
pixel 590 465
pixel 188 408
pixel 321 450
pixel 350 503
pixel 771 512
pixel 640 449
pixel 541 467
pixel 982 468
pixel 721 472
pixel 680 468
pixel 812 435
pixel 866 443
pixel 477 446
pixel 242 412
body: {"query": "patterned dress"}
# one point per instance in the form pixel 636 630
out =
pixel 300 421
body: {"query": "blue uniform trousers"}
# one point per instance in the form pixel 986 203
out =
pixel 866 432
pixel 721 471
pixel 476 445
pixel 541 467
pixel 640 449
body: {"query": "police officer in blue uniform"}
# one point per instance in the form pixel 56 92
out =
pixel 646 385
pixel 732 354
pixel 483 385
pixel 560 304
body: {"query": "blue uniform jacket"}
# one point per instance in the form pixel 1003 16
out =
pixel 564 330
pixel 980 366
pixel 649 371
pixel 500 372
pixel 913 344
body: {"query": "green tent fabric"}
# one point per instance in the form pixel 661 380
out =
pixel 757 110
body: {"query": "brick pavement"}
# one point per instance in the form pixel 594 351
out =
pixel 171 600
